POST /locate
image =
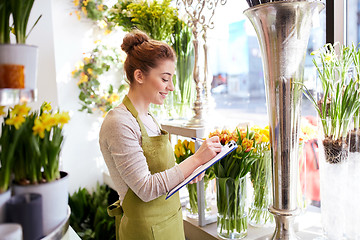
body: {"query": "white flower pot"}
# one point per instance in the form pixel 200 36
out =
pixel 3 198
pixel 11 231
pixel 55 200
pixel 18 54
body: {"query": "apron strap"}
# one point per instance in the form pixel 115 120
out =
pixel 163 132
pixel 128 104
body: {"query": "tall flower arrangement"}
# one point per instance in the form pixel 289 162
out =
pixel 230 175
pixel 260 175
pixel 31 144
pixel 183 46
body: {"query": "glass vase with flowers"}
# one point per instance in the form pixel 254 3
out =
pixel 230 175
pixel 183 150
pixel 261 179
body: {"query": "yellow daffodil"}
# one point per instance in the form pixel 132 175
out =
pixel 48 121
pixel 16 121
pixel 83 9
pixel 107 31
pixel 113 98
pixel 97 41
pixel 102 24
pixel 46 107
pixel 22 110
pixel 62 118
pixel 255 128
pixel 328 57
pixel 2 110
pixel 90 71
pixel 100 7
pixel 85 2
pixel 265 138
pixel 76 2
pixel 102 109
pixel 38 128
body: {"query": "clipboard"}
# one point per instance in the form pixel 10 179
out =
pixel 228 148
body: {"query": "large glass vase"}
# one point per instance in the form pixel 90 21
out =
pixel 231 204
pixel 260 174
pixel 334 162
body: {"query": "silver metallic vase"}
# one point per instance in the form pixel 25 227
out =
pixel 283 30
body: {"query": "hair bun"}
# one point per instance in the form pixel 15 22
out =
pixel 133 39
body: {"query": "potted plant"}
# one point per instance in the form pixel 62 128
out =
pixel 336 106
pixel 35 158
pixel 18 62
pixel 8 140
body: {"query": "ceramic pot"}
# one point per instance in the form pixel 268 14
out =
pixel 55 200
pixel 3 198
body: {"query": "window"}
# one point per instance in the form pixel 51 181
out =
pixel 236 65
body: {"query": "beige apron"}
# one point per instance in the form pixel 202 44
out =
pixel 158 219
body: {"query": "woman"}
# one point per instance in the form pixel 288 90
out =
pixel 137 151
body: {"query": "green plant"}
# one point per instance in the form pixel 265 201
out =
pixel 155 18
pixel 89 216
pixel 340 99
pixel 8 142
pixel 36 139
pixel 183 46
pixel 92 95
pixel 20 10
pixel 4 21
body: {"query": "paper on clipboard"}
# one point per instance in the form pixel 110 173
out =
pixel 228 148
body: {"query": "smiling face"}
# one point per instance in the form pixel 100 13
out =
pixel 157 83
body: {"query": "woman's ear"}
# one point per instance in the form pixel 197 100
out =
pixel 139 76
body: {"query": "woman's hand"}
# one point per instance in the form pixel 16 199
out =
pixel 208 150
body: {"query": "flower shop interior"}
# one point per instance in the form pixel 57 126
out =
pixel 273 77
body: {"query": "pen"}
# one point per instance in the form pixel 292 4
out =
pixel 197 139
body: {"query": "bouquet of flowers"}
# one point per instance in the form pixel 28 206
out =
pixel 32 142
pixel 155 18
pixel 230 175
pixel 260 175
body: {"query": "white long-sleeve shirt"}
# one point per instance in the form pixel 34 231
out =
pixel 120 144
